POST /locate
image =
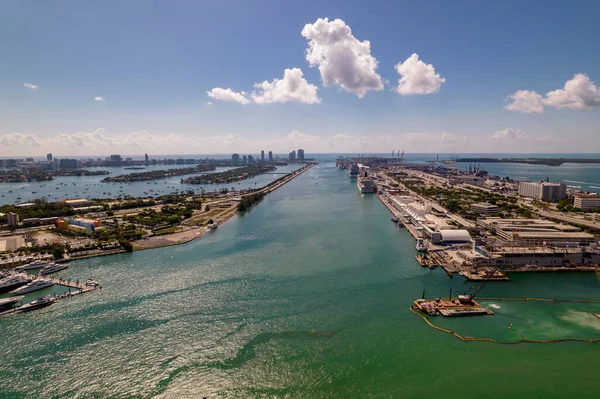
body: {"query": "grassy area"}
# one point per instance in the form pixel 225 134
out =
pixel 167 230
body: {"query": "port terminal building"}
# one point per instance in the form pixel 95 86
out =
pixel 534 230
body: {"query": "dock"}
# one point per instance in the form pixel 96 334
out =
pixel 77 289
pixel 451 307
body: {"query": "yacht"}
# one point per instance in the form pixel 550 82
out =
pixel 35 285
pixel 37 264
pixel 7 303
pixel 92 283
pixel 37 304
pixel 52 268
pixel 421 247
pixel 10 283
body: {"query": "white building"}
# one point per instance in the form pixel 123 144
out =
pixel 13 219
pixel 484 209
pixel 543 191
pixel 587 202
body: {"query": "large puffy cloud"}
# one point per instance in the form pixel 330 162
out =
pixel 526 101
pixel 291 88
pixel 579 93
pixel 229 95
pixel 417 77
pixel 342 59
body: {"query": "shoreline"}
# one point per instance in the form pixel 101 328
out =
pixel 194 232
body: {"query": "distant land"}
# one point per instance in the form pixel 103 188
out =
pixel 534 161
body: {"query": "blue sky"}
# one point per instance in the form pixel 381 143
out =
pixel 153 64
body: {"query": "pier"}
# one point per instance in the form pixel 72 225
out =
pixel 77 289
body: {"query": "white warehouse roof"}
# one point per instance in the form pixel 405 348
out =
pixel 455 235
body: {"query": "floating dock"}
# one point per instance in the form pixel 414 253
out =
pixel 451 307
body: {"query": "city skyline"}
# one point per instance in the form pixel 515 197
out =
pixel 342 77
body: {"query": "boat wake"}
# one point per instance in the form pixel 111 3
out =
pixel 493 305
pixel 579 182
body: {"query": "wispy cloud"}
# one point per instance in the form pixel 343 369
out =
pixel 98 99
pixel 31 86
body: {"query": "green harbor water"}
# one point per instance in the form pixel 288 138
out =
pixel 305 296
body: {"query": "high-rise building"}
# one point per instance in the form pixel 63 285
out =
pixel 244 160
pixel 250 159
pixel 301 154
pixel 270 156
pixel 262 155
pixel 544 191
pixel 66 163
pixel 146 159
pixel 235 158
pixel 28 159
pixel 13 219
pixel 115 158
pixel 292 156
pixel 49 157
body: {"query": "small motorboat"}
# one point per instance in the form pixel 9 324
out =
pixel 92 283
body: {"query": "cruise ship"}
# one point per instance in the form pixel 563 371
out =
pixel 366 185
pixel 353 171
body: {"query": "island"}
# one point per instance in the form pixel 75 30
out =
pixel 158 174
pixel 533 161
pixel 29 175
pixel 232 175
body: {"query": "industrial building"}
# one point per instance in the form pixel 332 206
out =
pixel 484 209
pixel 543 256
pixel 534 230
pixel 77 202
pixel 543 191
pixel 587 202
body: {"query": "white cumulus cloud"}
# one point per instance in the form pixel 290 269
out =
pixel 229 95
pixel 291 88
pixel 509 134
pixel 31 86
pixel 578 93
pixel 526 101
pixel 417 77
pixel 98 99
pixel 342 59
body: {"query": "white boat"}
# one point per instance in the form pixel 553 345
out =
pixel 10 283
pixel 213 226
pixel 35 285
pixel 51 269
pixel 421 247
pixel 366 185
pixel 38 264
pixel 92 283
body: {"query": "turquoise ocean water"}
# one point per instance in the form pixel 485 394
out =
pixel 305 296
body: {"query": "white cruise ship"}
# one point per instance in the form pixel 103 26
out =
pixel 366 185
pixel 353 171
